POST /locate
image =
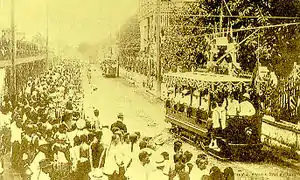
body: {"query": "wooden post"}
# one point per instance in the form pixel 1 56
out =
pixel 192 91
pixel 200 98
pixel 158 61
pixel 47 38
pixel 209 98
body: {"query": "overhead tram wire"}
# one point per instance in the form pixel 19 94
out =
pixel 234 30
pixel 244 29
pixel 236 16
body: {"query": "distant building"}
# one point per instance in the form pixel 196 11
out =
pixel 147 19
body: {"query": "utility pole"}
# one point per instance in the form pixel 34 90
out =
pixel 119 54
pixel 13 53
pixel 47 31
pixel 221 18
pixel 158 60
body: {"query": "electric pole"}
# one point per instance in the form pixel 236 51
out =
pixel 13 54
pixel 158 61
pixel 47 31
pixel 119 54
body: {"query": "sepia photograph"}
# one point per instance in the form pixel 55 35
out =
pixel 149 89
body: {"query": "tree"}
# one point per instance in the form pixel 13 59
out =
pixel 185 43
pixel 129 42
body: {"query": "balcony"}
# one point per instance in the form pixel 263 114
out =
pixel 6 63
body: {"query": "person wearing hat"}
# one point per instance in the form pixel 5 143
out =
pixel 119 123
pixel 246 107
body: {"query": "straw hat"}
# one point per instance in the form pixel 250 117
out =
pixel 159 161
pixel 120 116
pixel 246 95
pixel 81 124
pixel 185 91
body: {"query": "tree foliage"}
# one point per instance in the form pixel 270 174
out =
pixel 129 42
pixel 186 43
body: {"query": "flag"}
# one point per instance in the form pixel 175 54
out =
pixel 293 102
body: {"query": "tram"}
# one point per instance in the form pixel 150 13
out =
pixel 189 111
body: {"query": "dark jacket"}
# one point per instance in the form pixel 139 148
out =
pixel 120 125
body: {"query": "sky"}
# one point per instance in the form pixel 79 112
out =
pixel 70 21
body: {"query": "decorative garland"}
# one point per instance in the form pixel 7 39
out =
pixel 183 81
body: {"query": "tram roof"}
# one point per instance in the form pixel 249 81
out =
pixel 203 77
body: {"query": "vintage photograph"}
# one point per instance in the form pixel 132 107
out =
pixel 149 89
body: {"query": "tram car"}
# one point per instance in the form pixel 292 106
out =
pixel 189 111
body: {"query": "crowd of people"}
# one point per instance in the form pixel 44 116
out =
pixel 48 137
pixel 23 49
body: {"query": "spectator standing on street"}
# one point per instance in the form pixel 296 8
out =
pixel 16 140
pixel 228 174
pixel 119 124
pixel 111 167
pixel 95 121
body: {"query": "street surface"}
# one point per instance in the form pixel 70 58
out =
pixel 143 113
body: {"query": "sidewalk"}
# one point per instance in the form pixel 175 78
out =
pixel 138 80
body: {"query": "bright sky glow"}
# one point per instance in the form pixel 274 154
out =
pixel 70 21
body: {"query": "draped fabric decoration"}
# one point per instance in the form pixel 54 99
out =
pixel 205 84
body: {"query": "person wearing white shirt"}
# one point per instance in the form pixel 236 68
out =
pixel 141 170
pixel 157 172
pixel 75 152
pixel 204 103
pixel 233 106
pixel 216 124
pixel 95 121
pixel 46 169
pixel 246 108
pixel 16 140
pixel 199 170
pixel 35 164
pixel 111 167
pixel 195 102
pixel 177 98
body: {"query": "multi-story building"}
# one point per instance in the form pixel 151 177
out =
pixel 148 16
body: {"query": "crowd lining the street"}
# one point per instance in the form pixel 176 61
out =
pixel 23 49
pixel 48 137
